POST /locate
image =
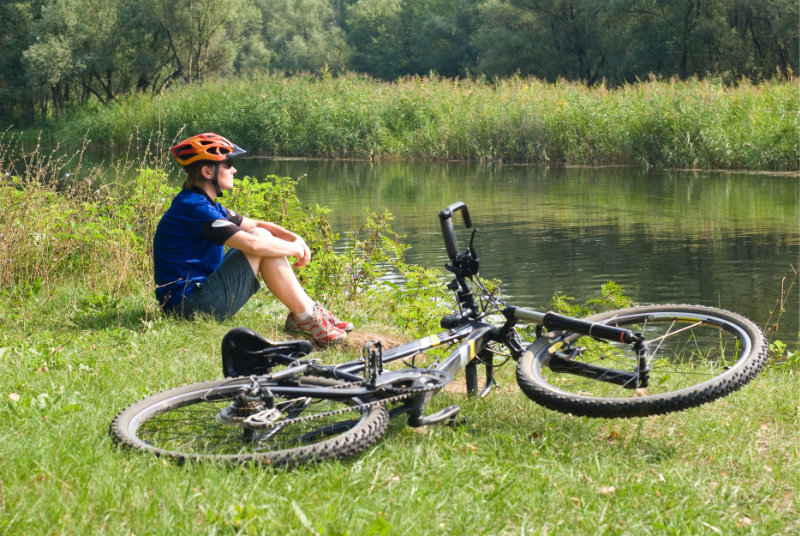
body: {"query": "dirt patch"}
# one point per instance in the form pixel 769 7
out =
pixel 356 340
pixel 457 386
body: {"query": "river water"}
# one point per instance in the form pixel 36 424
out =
pixel 722 239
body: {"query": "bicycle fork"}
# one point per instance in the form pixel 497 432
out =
pixel 471 374
pixel 468 355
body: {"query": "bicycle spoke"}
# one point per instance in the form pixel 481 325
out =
pixel 689 352
pixel 194 428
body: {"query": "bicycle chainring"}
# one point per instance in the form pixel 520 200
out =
pixel 411 381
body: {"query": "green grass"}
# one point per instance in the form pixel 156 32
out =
pixel 70 364
pixel 82 338
pixel 665 124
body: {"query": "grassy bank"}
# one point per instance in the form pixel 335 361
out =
pixel 672 124
pixel 82 339
pixel 71 360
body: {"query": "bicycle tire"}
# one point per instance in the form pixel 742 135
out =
pixel 715 353
pixel 182 424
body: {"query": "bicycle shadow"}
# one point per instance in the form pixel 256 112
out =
pixel 533 429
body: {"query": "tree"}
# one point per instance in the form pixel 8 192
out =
pixel 51 60
pixel 376 38
pixel 547 39
pixel 768 37
pixel 509 39
pixel 201 37
pixel 391 38
pixel 439 36
pixel 59 52
pixel 17 19
pixel 106 58
pixel 623 40
pixel 303 35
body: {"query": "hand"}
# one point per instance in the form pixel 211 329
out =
pixel 305 254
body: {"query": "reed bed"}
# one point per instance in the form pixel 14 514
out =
pixel 662 124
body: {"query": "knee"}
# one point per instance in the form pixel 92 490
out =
pixel 258 231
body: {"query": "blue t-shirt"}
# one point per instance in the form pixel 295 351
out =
pixel 187 246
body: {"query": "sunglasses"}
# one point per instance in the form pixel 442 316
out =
pixel 227 164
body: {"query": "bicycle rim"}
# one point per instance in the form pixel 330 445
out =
pixel 193 423
pixel 695 354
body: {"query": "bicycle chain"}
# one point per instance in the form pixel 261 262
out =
pixel 389 400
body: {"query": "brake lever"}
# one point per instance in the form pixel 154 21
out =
pixel 472 241
pixel 468 263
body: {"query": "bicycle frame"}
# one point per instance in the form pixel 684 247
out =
pixel 306 410
pixel 474 335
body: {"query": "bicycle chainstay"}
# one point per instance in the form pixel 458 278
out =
pixel 405 392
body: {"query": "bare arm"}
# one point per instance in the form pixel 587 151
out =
pixel 278 231
pixel 276 242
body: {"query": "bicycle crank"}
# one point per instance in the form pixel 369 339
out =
pixel 412 381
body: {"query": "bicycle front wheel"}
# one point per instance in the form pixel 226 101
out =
pixel 694 355
pixel 203 422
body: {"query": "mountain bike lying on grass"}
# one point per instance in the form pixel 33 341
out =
pixel 277 406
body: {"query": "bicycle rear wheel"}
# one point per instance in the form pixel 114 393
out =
pixel 695 354
pixel 202 422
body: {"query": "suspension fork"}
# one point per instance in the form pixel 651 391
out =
pixel 505 335
pixel 471 374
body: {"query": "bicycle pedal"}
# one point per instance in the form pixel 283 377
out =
pixel 449 412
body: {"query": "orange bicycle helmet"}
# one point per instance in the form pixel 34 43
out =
pixel 207 147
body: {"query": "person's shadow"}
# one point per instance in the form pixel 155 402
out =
pixel 101 312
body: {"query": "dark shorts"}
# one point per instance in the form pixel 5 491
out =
pixel 224 292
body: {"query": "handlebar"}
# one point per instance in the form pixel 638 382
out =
pixel 448 232
pixel 612 333
pixel 552 320
pixel 466 264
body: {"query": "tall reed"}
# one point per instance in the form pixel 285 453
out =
pixel 673 124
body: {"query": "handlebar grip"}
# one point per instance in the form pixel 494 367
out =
pixel 556 321
pixel 448 232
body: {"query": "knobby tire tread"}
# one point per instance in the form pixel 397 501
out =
pixel 717 387
pixel 370 428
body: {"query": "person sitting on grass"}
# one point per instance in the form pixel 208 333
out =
pixel 193 273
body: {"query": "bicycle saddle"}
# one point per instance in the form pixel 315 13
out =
pixel 246 353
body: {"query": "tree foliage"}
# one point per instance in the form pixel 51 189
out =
pixel 304 35
pixel 56 53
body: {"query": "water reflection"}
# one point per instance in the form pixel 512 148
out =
pixel 711 238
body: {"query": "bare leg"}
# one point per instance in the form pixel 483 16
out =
pixel 280 279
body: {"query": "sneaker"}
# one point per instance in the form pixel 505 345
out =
pixel 330 317
pixel 317 327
